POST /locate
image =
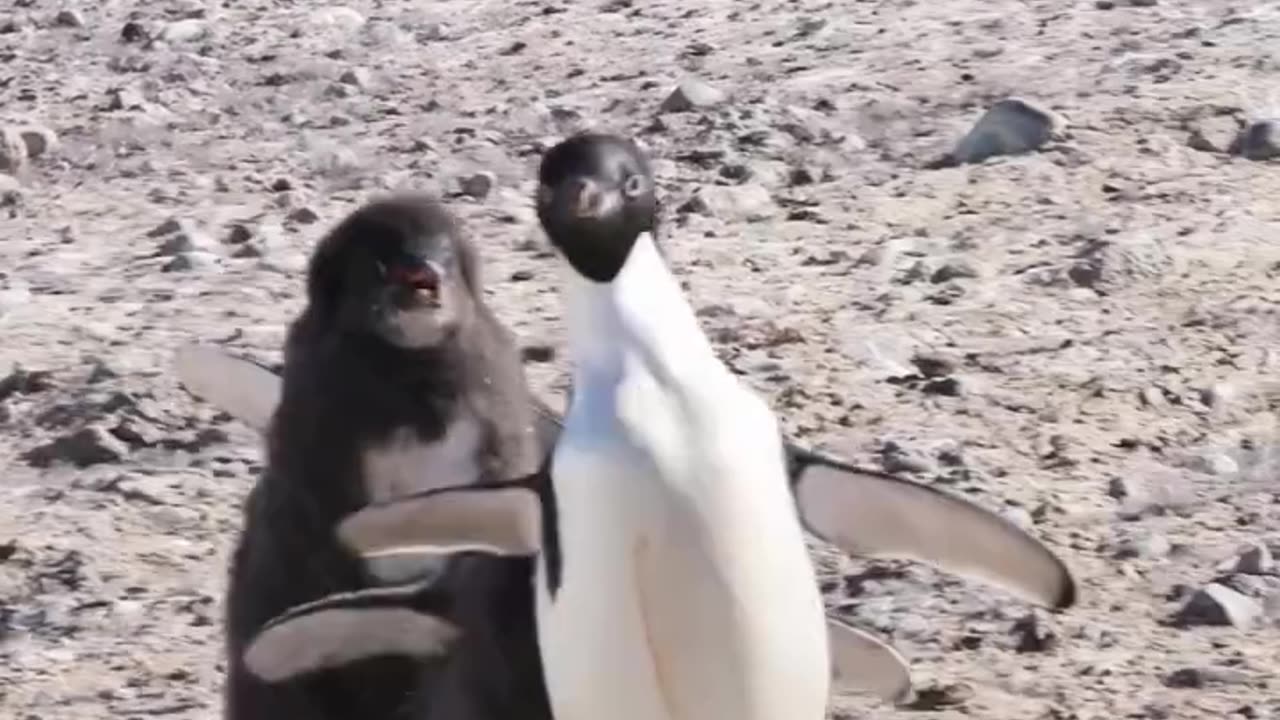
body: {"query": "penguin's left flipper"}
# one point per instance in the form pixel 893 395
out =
pixel 346 627
pixel 862 662
pixel 874 515
pixel 500 518
pixel 349 627
pixel 244 389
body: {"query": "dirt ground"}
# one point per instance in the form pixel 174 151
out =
pixel 1102 314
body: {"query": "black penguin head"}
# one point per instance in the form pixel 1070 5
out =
pixel 595 198
pixel 396 269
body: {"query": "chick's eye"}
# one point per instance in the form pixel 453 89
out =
pixel 634 186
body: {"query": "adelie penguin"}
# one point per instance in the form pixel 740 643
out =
pixel 679 546
pixel 397 378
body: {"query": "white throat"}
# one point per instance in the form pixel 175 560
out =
pixel 642 314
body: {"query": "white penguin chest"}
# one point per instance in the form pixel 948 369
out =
pixel 686 590
pixel 405 463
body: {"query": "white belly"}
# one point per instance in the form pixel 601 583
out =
pixel 686 590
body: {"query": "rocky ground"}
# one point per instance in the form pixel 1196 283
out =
pixel 1085 335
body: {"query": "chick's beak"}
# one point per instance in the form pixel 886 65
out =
pixel 423 278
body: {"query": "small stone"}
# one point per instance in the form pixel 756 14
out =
pixel 1256 560
pixel 68 18
pixel 947 386
pixel 91 445
pixel 182 236
pixel 1217 395
pixel 748 202
pixel 478 186
pixel 1217 604
pixel 1191 678
pixel 1010 127
pixel 1034 634
pixel 933 365
pixel 355 77
pixel 38 139
pixel 952 271
pixel 1259 141
pixel 692 95
pixel 238 234
pixel 1216 463
pixel 190 261
pixel 941 696
pixel 1121 488
pixel 303 215
pixel 338 16
pixel 1215 134
pixel 800 175
pixel 133 32
pixel 1153 547
pixel 125 98
pixel 182 31
pixel 21 381
pixel 896 459
pixel 13 151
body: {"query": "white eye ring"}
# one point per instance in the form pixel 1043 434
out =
pixel 634 186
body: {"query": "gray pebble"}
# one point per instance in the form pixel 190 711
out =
pixel 896 459
pixel 933 365
pixel 478 185
pixel 179 236
pixel 90 445
pixel 194 260
pixel 1011 127
pixel 68 18
pixel 1256 560
pixel 953 270
pixel 1217 604
pixel 692 95
pixel 355 77
pixel 303 215
pixel 748 202
pixel 1152 547
pixel 1259 141
pixel 1215 134
pixel 39 140
pixel 182 31
pixel 13 151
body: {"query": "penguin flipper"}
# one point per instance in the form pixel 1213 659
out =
pixel 246 390
pixel 346 627
pixel 862 662
pixel 503 518
pixel 871 514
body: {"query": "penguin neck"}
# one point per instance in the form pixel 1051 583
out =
pixel 641 315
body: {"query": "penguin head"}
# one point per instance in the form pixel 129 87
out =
pixel 396 269
pixel 595 198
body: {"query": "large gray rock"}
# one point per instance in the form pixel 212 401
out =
pixel 1010 127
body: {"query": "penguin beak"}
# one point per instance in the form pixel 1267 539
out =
pixel 587 200
pixel 422 279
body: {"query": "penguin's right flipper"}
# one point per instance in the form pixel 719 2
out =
pixel 503 518
pixel 242 388
pixel 862 662
pixel 347 627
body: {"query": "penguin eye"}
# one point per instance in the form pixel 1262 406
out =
pixel 634 186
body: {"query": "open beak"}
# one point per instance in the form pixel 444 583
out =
pixel 422 279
